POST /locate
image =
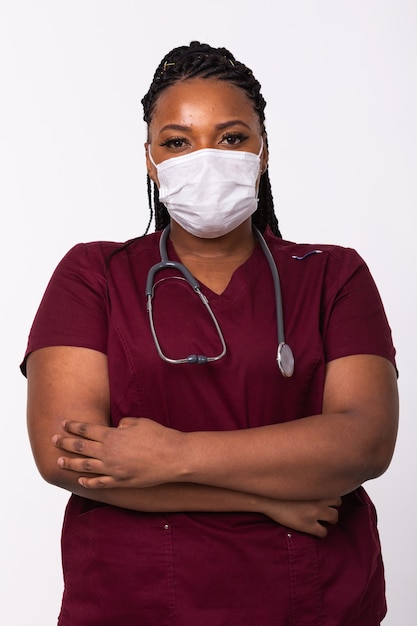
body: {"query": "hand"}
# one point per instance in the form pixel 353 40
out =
pixel 138 453
pixel 306 516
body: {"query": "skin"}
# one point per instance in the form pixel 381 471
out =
pixel 293 472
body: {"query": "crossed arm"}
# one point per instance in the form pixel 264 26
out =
pixel 293 472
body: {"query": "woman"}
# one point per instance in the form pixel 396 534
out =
pixel 211 484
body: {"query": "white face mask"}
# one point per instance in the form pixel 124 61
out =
pixel 209 192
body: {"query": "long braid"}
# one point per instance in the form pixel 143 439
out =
pixel 203 61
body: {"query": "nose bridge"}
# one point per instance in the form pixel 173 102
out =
pixel 204 137
pixel 203 143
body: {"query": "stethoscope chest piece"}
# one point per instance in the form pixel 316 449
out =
pixel 285 360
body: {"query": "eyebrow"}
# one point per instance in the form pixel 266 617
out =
pixel 221 126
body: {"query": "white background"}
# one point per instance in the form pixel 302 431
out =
pixel 340 81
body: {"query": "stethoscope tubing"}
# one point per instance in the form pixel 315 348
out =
pixel 285 357
pixel 164 264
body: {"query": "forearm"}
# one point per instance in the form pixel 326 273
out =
pixel 177 498
pixel 164 498
pixel 317 457
pixel 309 517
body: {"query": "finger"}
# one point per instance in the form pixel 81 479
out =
pixel 94 432
pixel 98 482
pixel 81 465
pixel 329 515
pixel 320 530
pixel 83 447
pixel 128 421
pixel 333 516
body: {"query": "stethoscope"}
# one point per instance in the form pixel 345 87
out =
pixel 285 357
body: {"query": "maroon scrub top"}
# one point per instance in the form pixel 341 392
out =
pixel 216 569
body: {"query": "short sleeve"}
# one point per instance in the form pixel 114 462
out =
pixel 355 320
pixel 73 310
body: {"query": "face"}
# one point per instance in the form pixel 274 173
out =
pixel 202 113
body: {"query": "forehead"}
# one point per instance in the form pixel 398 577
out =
pixel 196 98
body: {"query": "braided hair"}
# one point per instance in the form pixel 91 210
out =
pixel 202 61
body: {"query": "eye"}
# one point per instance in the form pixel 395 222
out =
pixel 175 143
pixel 233 139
